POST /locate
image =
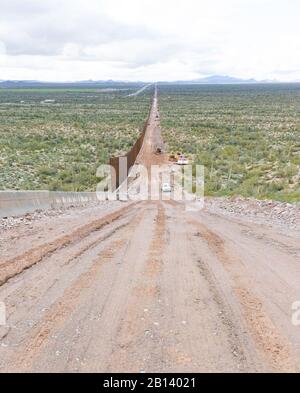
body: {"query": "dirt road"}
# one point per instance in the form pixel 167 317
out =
pixel 149 286
pixel 135 94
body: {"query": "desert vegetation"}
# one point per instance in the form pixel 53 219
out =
pixel 55 138
pixel 247 136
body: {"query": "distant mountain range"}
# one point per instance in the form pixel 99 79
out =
pixel 225 80
pixel 220 79
pixel 33 83
pixel 214 79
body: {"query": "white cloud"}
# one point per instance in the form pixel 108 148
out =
pixel 149 39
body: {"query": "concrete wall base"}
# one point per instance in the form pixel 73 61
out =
pixel 16 203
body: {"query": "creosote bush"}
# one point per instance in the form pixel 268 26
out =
pixel 247 136
pixel 59 145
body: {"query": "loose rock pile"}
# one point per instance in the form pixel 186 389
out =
pixel 10 222
pixel 27 219
pixel 272 212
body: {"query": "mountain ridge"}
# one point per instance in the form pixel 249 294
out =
pixel 212 79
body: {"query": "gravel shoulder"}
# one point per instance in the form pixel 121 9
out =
pixel 273 213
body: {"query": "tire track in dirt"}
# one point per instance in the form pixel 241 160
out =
pixel 17 265
pixel 40 279
pixel 200 314
pixel 136 341
pixel 61 310
pixel 100 238
pixel 225 315
pixel 273 346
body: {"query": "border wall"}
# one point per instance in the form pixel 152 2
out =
pixel 118 176
pixel 16 203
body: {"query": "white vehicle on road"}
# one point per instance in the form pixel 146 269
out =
pixel 166 187
pixel 182 161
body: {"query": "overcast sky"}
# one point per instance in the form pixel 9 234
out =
pixel 149 40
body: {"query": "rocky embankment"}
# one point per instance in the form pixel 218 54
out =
pixel 269 212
